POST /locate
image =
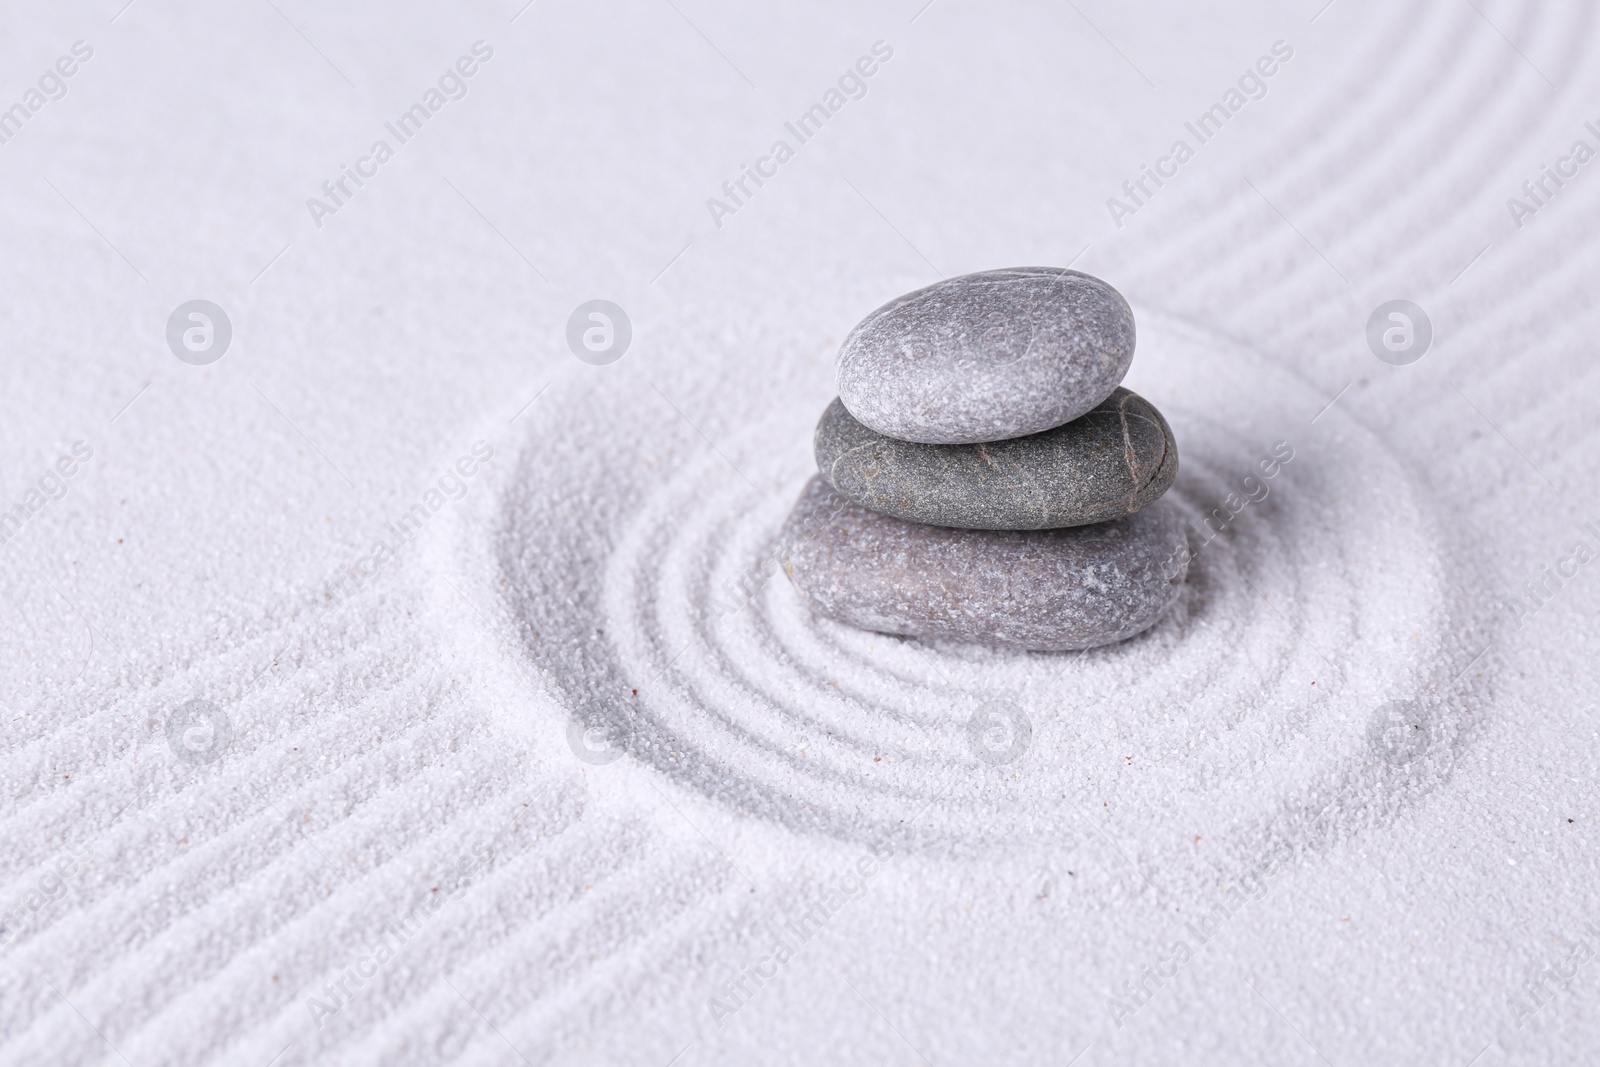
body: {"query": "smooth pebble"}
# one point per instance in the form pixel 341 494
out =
pixel 1044 590
pixel 987 356
pixel 1106 464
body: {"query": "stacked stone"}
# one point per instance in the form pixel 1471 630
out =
pixel 984 476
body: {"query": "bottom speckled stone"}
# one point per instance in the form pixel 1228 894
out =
pixel 1043 590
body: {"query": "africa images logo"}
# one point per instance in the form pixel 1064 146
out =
pixel 1399 332
pixel 599 332
pixel 199 332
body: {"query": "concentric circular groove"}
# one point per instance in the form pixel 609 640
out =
pixel 1317 602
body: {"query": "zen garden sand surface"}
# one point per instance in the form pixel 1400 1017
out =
pixel 399 687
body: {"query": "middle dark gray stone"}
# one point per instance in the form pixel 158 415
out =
pixel 1103 465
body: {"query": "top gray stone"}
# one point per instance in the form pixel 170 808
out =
pixel 987 356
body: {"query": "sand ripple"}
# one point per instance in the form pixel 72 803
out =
pixel 1250 704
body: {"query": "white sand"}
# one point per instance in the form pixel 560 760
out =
pixel 397 856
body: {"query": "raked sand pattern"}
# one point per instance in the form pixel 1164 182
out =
pixel 684 645
pixel 1342 772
